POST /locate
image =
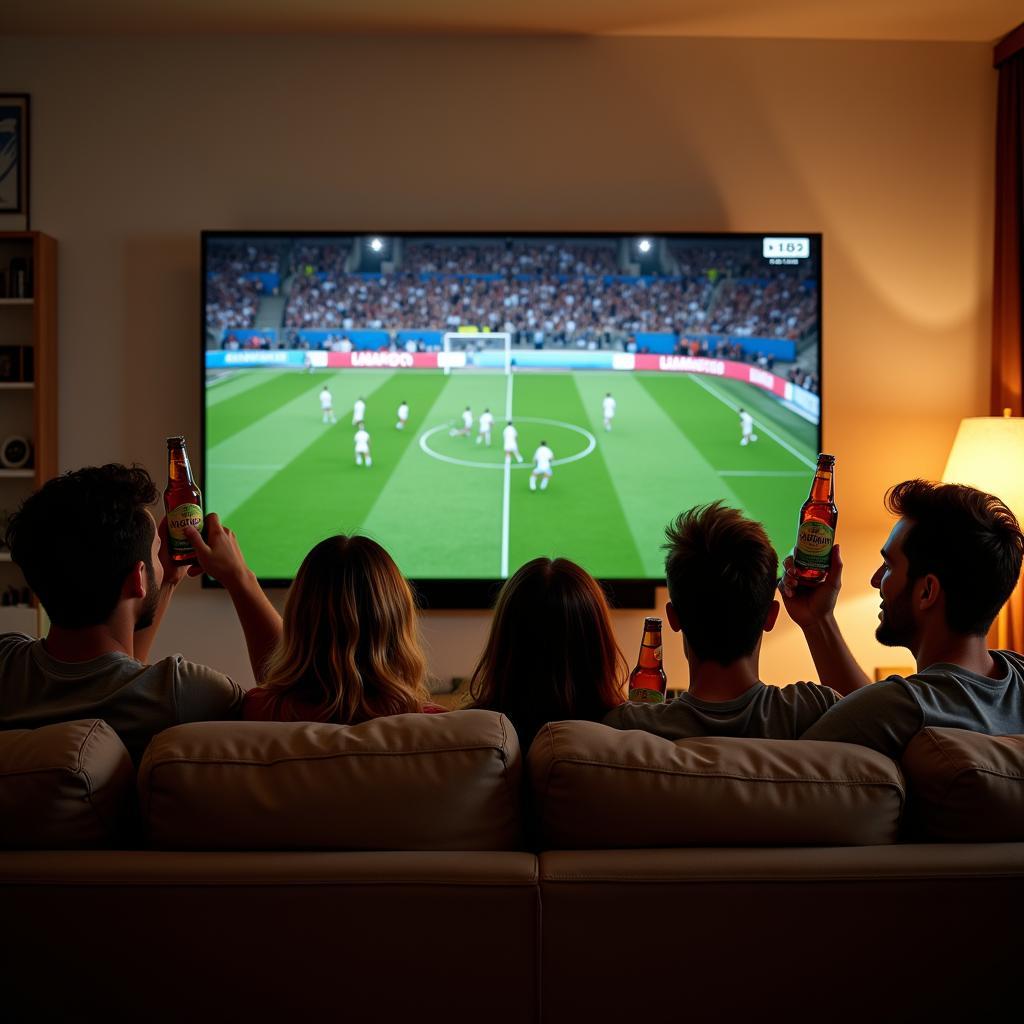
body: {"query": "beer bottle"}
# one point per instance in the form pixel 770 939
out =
pixel 648 682
pixel 816 534
pixel 182 501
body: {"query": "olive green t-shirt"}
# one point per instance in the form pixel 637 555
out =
pixel 136 700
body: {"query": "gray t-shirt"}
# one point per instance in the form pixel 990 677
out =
pixel 765 712
pixel 887 715
pixel 136 700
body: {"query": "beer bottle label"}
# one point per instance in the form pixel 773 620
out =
pixel 814 545
pixel 177 519
pixel 645 696
pixel 657 653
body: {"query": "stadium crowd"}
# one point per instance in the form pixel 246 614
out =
pixel 547 295
pixel 233 299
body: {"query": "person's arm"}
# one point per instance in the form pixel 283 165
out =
pixel 173 575
pixel 812 608
pixel 221 557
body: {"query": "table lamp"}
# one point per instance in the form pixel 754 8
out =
pixel 988 453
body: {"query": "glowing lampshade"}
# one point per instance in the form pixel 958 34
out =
pixel 988 453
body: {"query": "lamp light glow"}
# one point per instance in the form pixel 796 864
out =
pixel 988 453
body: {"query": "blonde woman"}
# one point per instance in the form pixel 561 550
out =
pixel 348 650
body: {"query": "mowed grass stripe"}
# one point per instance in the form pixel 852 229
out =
pixel 658 469
pixel 227 384
pixel 794 429
pixel 244 462
pixel 322 491
pixel 440 520
pixel 239 411
pixel 580 515
pixel 715 430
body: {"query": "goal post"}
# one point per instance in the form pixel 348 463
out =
pixel 480 350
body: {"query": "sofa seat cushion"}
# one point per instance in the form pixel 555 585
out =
pixel 64 786
pixel 966 786
pixel 598 787
pixel 409 782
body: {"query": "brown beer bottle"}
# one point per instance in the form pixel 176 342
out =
pixel 816 534
pixel 648 682
pixel 182 501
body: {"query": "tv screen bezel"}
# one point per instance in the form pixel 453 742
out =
pixel 471 593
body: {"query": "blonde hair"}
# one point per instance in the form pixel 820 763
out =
pixel 349 643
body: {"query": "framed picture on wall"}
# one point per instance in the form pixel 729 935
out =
pixel 14 154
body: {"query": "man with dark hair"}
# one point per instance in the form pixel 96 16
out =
pixel 948 566
pixel 721 571
pixel 99 564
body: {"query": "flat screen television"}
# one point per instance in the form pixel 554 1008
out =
pixel 359 382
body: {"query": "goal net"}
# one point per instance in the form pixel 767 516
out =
pixel 477 350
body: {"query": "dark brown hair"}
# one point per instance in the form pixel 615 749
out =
pixel 969 540
pixel 721 571
pixel 349 642
pixel 78 537
pixel 551 653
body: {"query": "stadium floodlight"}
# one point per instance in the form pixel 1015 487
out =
pixel 481 350
pixel 644 245
pixel 376 244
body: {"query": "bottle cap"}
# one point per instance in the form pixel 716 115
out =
pixel 652 620
pixel 172 441
pixel 822 457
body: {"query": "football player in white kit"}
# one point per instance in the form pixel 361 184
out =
pixel 747 427
pixel 358 412
pixel 467 425
pixel 510 439
pixel 327 405
pixel 363 447
pixel 403 415
pixel 608 408
pixel 484 433
pixel 542 458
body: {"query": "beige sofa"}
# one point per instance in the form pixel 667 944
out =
pixel 390 871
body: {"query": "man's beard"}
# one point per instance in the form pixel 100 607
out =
pixel 148 614
pixel 897 627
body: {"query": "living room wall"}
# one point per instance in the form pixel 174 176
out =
pixel 138 143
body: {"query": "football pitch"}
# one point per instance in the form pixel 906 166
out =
pixel 447 507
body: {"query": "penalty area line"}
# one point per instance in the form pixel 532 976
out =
pixel 760 423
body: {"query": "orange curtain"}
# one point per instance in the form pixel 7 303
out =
pixel 1008 276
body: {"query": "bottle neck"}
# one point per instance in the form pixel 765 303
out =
pixel 650 650
pixel 822 487
pixel 178 469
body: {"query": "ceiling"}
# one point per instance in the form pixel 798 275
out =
pixel 981 21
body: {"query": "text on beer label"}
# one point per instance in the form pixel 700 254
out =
pixel 178 518
pixel 814 545
pixel 645 696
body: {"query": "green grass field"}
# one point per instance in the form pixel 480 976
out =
pixel 446 507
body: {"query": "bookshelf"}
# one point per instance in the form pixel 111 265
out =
pixel 28 391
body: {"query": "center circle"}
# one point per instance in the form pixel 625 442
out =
pixel 590 445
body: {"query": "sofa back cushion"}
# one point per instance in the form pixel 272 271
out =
pixel 594 786
pixel 966 787
pixel 64 786
pixel 410 782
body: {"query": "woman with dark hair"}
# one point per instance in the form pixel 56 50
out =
pixel 348 650
pixel 551 654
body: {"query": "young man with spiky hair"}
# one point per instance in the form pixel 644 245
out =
pixel 948 566
pixel 97 560
pixel 721 571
